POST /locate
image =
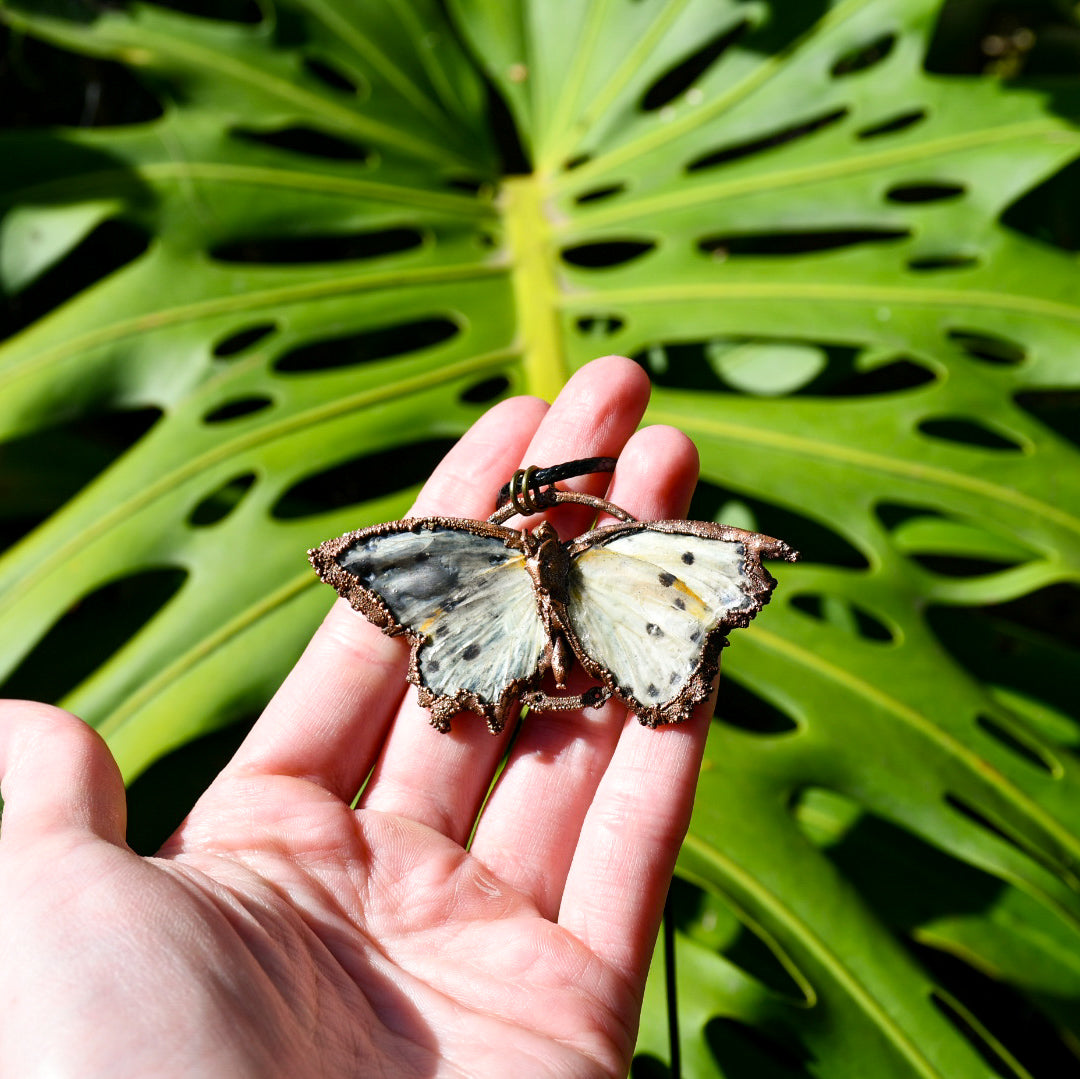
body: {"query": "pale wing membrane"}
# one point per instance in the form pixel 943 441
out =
pixel 468 597
pixel 643 604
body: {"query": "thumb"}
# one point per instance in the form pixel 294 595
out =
pixel 56 774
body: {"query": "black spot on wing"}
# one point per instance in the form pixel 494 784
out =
pixel 680 603
pixel 431 664
pixel 674 678
pixel 688 557
pixel 471 651
pixel 653 691
pixel 695 636
pixel 653 630
pixel 667 579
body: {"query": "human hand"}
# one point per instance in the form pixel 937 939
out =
pixel 280 932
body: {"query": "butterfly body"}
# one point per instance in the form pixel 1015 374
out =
pixel 490 610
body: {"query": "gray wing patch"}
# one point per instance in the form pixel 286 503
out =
pixel 467 598
pixel 417 573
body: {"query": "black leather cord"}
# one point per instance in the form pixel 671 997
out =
pixel 544 477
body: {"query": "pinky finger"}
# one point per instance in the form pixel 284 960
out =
pixel 56 775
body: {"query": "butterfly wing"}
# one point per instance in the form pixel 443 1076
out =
pixel 651 603
pixel 460 591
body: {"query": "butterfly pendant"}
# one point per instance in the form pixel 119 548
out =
pixel 643 606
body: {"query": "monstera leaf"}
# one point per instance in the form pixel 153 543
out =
pixel 344 226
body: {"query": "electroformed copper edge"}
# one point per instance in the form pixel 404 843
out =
pixel 443 708
pixel 368 603
pixel 702 680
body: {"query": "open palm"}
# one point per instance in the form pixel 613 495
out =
pixel 282 932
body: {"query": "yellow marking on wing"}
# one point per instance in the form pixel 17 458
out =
pixel 688 591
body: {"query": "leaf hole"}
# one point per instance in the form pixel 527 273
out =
pixel 843 614
pixel 894 514
pixel 1028 647
pixel 105 250
pixel 598 194
pixel 951 545
pixel 719 926
pixel 397 339
pixel 772 244
pixel 43 85
pixel 742 1049
pixel 44 469
pixel 329 248
pixel 487 390
pixel 1047 213
pixel 687 71
pixel 220 503
pixel 925 192
pixel 1053 610
pixel 599 325
pixel 467 185
pixel 607 253
pixel 241 340
pixel 894 125
pixel 894 377
pixel 864 56
pixel 1023 745
pixel 239 11
pixel 306 141
pixel 972 1032
pixel 1008 1018
pixel 90 631
pixel 1017 842
pixel 763 367
pixel 936 263
pixel 781 137
pixel 234 410
pixel 362 478
pixel 160 798
pixel 815 542
pixel 738 707
pixel 330 75
pixel 969 812
pixel 960 567
pixel 1057 409
pixel 898 874
pixel 966 432
pixel 991 348
pixel 646 1066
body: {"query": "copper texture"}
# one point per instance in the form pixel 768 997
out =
pixel 547 561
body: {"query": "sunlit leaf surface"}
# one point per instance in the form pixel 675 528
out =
pixel 253 314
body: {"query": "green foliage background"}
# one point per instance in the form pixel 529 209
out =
pixel 258 283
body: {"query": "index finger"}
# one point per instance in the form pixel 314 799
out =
pixel 331 714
